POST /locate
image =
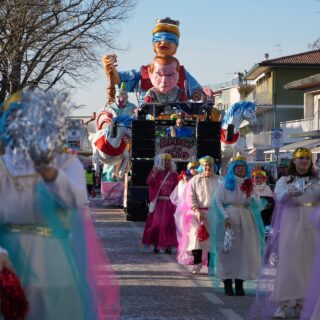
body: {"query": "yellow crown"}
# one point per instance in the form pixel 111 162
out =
pixel 192 164
pixel 258 172
pixel 302 153
pixel 206 159
pixel 239 157
pixel 167 25
pixel 166 156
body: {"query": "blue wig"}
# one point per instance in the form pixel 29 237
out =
pixel 230 180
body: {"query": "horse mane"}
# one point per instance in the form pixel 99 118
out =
pixel 240 105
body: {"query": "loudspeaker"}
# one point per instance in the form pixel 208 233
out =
pixel 143 139
pixel 137 204
pixel 140 171
pixel 208 130
pixel 208 139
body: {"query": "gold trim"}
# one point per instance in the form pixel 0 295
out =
pixel 308 204
pixel 27 228
pixel 160 27
pixel 236 205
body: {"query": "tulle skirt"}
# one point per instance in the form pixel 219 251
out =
pixel 47 277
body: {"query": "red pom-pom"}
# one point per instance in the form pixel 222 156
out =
pixel 247 187
pixel 182 175
pixel 14 304
pixel 202 233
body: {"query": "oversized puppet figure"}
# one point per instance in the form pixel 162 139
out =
pixel 121 106
pixel 165 39
pixel 164 76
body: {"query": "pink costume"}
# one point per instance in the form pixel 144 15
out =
pixel 160 229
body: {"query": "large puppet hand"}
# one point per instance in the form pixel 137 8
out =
pixel 110 67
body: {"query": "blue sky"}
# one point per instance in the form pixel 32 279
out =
pixel 218 38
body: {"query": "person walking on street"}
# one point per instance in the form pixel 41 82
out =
pixel 160 229
pixel 198 197
pixel 237 229
pixel 292 247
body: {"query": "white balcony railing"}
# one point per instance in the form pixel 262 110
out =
pixel 262 139
pixel 297 126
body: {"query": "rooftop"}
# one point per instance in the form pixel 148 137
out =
pixel 309 58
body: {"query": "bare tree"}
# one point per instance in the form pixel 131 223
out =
pixel 45 42
pixel 315 45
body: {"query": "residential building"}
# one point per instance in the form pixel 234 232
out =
pixel 274 103
pixel 306 131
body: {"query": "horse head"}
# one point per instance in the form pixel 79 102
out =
pixel 238 112
pixel 249 114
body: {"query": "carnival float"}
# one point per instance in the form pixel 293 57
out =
pixel 174 114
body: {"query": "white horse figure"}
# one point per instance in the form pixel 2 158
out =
pixel 109 142
pixel 235 115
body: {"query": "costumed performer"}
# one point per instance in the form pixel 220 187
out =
pixel 259 178
pixel 44 224
pixel 177 197
pixel 160 229
pixel 291 248
pixel 311 306
pixel 236 213
pixel 165 39
pixel 179 130
pixel 196 221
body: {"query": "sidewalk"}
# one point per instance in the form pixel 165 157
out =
pixel 155 286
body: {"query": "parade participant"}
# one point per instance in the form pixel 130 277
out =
pixel 122 106
pixel 177 197
pixel 311 306
pixel 292 247
pixel 165 39
pixel 164 76
pixel 90 179
pixel 160 230
pixel 236 213
pixel 259 178
pixel 45 229
pixel 179 130
pixel 196 223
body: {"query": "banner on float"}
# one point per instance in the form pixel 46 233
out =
pixel 181 149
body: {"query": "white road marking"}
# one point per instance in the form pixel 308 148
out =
pixel 230 314
pixel 212 298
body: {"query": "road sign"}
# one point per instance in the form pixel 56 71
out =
pixel 277 138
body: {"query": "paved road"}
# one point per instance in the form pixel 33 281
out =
pixel 155 286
